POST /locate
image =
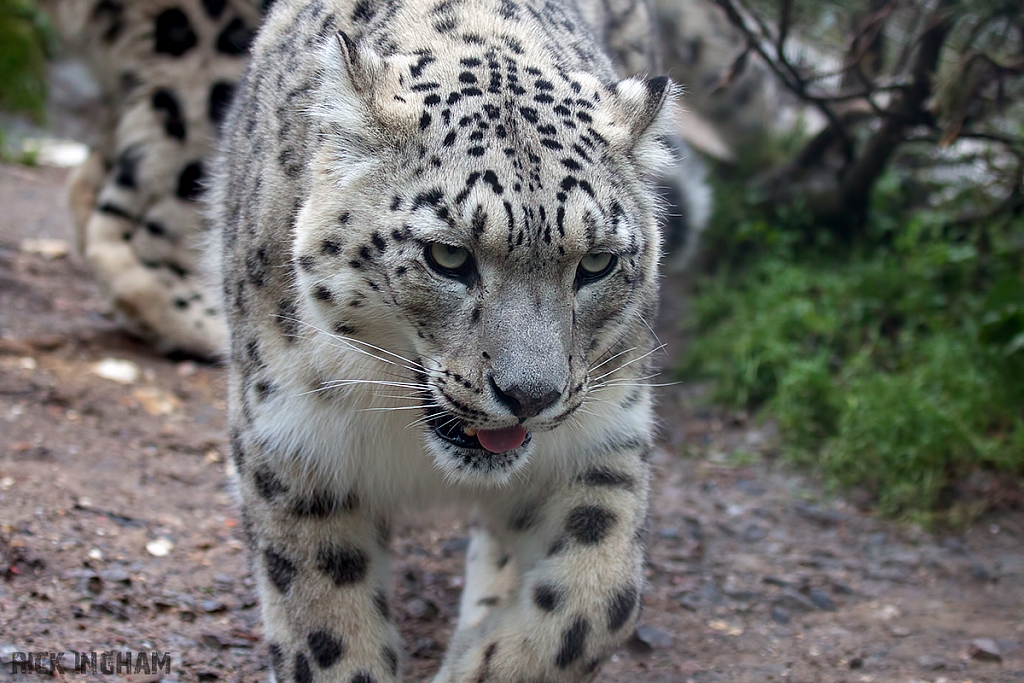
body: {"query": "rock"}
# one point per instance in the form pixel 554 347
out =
pixel 646 638
pixel 690 601
pixel 985 650
pixel 117 370
pixel 418 608
pixel 793 601
pixel 213 606
pixel 822 600
pixel 780 615
pixel 754 533
pixel 932 662
pixel 816 514
pixel 160 547
pixel 979 572
pixel 116 576
pixel 455 545
pixel 46 247
pixel 155 401
pixel 777 581
pixel 900 631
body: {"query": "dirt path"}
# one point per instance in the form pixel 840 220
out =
pixel 755 575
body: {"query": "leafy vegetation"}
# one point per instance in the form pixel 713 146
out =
pixel 25 36
pixel 865 284
pixel 896 363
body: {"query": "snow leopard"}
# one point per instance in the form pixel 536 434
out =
pixel 168 70
pixel 436 228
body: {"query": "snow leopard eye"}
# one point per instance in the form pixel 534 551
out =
pixel 448 260
pixel 595 266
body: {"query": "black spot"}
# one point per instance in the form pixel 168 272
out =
pixel 214 7
pixel 524 519
pixel 602 476
pixel 449 139
pixel 417 68
pixel 424 121
pixel 380 601
pixel 221 95
pixel 190 182
pixel 306 262
pixel 589 524
pixel 573 640
pixel 320 505
pixel 303 674
pixel 321 293
pixel 547 597
pixel 432 100
pixel 475 151
pixel 621 607
pixel 166 105
pixel 267 483
pixel 391 660
pixel 280 570
pixel 325 648
pixel 467 77
pixel 127 167
pixel 113 13
pixel 363 11
pixel 344 564
pixel 330 247
pixel 235 38
pixel 276 661
pixel 174 34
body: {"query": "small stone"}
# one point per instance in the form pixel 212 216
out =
pixel 213 606
pixel 455 545
pixel 979 572
pixel 6 483
pixel 155 401
pixel 48 248
pixel 794 601
pixel 117 370
pixel 822 600
pixel 780 615
pixel 96 554
pixel 418 608
pixel 985 650
pixel 646 638
pixel 160 547
pixel 754 533
pixel 932 662
pixel 900 631
pixel 116 576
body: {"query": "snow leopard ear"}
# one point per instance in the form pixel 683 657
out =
pixel 362 66
pixel 642 101
pixel 357 96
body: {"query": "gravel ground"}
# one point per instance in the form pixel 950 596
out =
pixel 755 573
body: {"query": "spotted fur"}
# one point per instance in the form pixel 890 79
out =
pixel 364 132
pixel 168 69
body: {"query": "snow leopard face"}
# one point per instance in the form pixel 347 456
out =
pixel 489 222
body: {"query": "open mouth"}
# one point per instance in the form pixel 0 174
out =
pixel 454 431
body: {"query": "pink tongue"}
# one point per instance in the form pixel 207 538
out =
pixel 501 440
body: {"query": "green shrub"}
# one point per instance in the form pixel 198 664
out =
pixel 895 365
pixel 25 37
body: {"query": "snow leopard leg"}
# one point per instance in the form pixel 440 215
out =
pixel 322 570
pixel 490 578
pixel 581 554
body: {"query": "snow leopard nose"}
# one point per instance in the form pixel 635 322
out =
pixel 525 401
